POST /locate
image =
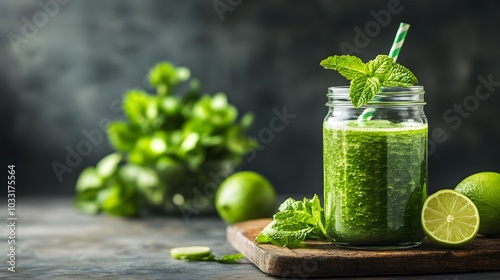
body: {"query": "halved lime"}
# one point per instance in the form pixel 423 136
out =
pixel 450 219
pixel 190 252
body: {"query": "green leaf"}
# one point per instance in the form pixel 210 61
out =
pixel 380 67
pixel 144 180
pixel 264 238
pixel 363 89
pixel 215 110
pixel 236 141
pixel 318 215
pixel 148 184
pixel 165 76
pixel 139 107
pixel 108 164
pixel 195 158
pixel 89 179
pixel 119 200
pixel 170 105
pixel 190 142
pixel 166 163
pixel 291 204
pixel 158 145
pixel 226 259
pixel 229 258
pixel 199 126
pixel 122 136
pixel 209 140
pixel 400 76
pixel 148 148
pixel 88 186
pixel 147 178
pixel 347 65
pixel 202 109
pixel 297 216
pixel 284 234
pixel 246 121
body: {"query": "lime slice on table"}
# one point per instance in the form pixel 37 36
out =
pixel 190 252
pixel 450 219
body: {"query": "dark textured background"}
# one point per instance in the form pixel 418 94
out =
pixel 264 55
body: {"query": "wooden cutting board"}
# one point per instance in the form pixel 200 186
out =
pixel 318 258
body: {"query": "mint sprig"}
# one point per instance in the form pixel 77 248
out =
pixel 367 79
pixel 295 222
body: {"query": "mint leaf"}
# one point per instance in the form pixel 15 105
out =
pixel 318 216
pixel 363 89
pixel 380 67
pixel 212 258
pixel 400 76
pixel 229 258
pixel 284 233
pixel 291 204
pixel 295 222
pixel 297 216
pixel 347 65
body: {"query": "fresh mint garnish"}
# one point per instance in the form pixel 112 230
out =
pixel 295 222
pixel 367 79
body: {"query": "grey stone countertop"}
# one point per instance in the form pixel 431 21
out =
pixel 53 241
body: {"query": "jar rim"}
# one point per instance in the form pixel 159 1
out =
pixel 384 91
pixel 387 96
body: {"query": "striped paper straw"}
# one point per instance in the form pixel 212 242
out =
pixel 393 53
pixel 399 40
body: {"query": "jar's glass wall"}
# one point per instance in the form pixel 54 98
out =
pixel 375 169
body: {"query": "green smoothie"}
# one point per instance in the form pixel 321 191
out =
pixel 375 183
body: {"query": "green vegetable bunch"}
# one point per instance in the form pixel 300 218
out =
pixel 166 148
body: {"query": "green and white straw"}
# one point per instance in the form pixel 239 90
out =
pixel 393 53
pixel 399 40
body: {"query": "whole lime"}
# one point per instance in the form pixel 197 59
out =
pixel 244 196
pixel 484 190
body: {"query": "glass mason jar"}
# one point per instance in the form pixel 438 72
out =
pixel 375 168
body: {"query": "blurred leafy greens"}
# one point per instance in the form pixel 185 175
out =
pixel 166 145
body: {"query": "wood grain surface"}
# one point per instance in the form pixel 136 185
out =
pixel 319 259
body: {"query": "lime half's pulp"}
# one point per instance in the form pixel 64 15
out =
pixel 450 219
